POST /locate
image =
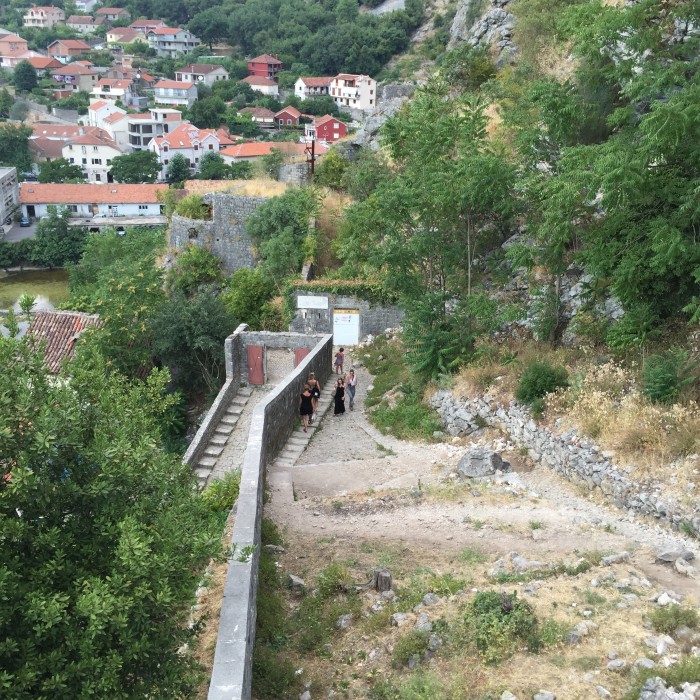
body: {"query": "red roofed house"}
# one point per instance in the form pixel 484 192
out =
pixel 43 17
pixel 43 64
pixel 205 73
pixel 170 41
pixel 75 77
pixel 124 35
pixel 326 128
pixel 60 331
pixel 187 140
pixel 87 201
pixel 112 14
pixel 112 89
pixel 304 88
pixel 84 24
pixel 45 150
pixel 65 49
pixel 252 150
pixel 260 115
pixel 13 50
pixel 145 25
pixel 265 66
pixel 99 110
pixel 173 92
pixel 263 85
pixel 288 116
pixel 94 154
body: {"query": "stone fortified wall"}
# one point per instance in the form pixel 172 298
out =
pixel 224 235
pixel 574 457
pixel 374 319
pixel 272 424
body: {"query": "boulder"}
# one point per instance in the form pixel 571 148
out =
pixel 479 462
pixel 297 584
pixel 344 622
pixel 671 554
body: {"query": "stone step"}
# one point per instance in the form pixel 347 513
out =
pixel 234 411
pixel 284 463
pixel 245 391
pixel 207 462
pixel 202 473
pixel 213 450
pixel 228 419
pixel 239 401
pixel 224 430
pixel 218 439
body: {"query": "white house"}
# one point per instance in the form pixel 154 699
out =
pixel 44 17
pixel 84 24
pixel 170 41
pixel 304 88
pixel 187 140
pixel 88 201
pixel 354 91
pixel 99 110
pixel 85 5
pixel 176 93
pixel 202 73
pixel 158 121
pixel 94 154
pixel 262 85
pixel 112 89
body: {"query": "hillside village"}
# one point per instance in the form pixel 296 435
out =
pixel 350 349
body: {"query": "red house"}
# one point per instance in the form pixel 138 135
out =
pixel 288 116
pixel 265 66
pixel 326 128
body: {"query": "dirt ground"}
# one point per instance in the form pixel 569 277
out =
pixel 369 500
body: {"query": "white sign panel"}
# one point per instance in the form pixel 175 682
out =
pixel 312 302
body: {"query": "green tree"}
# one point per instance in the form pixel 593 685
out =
pixel 272 162
pixel 331 169
pixel 57 244
pixel 207 113
pixel 5 103
pixel 178 170
pixel 188 336
pixel 60 170
pixel 246 295
pixel 193 268
pixel 241 170
pixel 213 167
pixel 136 167
pixel 24 76
pixel 104 536
pixel 14 146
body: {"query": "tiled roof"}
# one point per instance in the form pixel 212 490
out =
pixel 290 110
pixel 174 84
pixel 259 80
pixel 225 139
pixel 125 35
pixel 265 58
pixel 14 38
pixel 60 330
pixel 47 148
pixel 184 136
pixel 319 121
pixel 147 23
pixel 200 68
pixel 317 82
pixel 44 62
pixel 95 140
pixel 255 149
pixel 60 131
pixel 258 112
pixel 110 10
pixel 114 83
pixel 165 31
pixel 113 118
pixel 350 76
pixel 96 106
pixel 45 8
pixel 71 44
pixel 36 193
pixel 84 19
pixel 73 69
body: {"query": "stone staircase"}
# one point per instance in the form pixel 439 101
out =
pixel 223 430
pixel 280 471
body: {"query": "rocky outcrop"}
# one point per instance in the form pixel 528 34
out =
pixel 655 689
pixel 389 101
pixel 493 28
pixel 570 455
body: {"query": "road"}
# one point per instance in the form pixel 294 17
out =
pixel 15 232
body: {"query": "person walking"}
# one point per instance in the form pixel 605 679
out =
pixel 315 394
pixel 306 408
pixel 339 360
pixel 351 387
pixel 339 396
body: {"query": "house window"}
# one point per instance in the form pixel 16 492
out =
pixel 196 147
pixel 371 92
pixel 336 125
pixel 371 101
pixel 165 148
pixel 84 161
pixel 73 208
pixel 166 161
pixel 94 149
pixel 211 147
pixel 97 161
pixel 98 178
pixel 109 161
pixel 71 160
pixel 289 121
pixel 143 206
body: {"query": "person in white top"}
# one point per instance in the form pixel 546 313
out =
pixel 351 386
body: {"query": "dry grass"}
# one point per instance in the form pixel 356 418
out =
pixel 257 187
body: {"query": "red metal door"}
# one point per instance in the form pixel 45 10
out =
pixel 255 365
pixel 299 355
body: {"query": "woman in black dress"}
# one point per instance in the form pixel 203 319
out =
pixel 306 408
pixel 339 398
pixel 315 394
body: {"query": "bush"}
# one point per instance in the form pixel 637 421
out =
pixel 246 297
pixel 668 620
pixel 538 380
pixel 499 624
pixel 664 376
pixel 414 644
pixel 193 207
pixel 194 267
pixel 222 493
pixel 685 671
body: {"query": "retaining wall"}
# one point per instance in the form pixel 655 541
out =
pixel 374 318
pixel 574 457
pixel 232 350
pixel 272 424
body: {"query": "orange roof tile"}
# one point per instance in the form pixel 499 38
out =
pixel 258 112
pixel 96 106
pixel 175 84
pixel 44 62
pixel 165 30
pixel 327 118
pixel 60 131
pixel 47 148
pixel 184 136
pixel 73 69
pixel 317 82
pixel 110 10
pixel 112 118
pixel 259 80
pixel 290 110
pixel 256 149
pixel 71 44
pixel 265 58
pixel 36 193
pixel 60 331
pixel 114 83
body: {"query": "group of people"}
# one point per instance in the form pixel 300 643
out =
pixel 308 405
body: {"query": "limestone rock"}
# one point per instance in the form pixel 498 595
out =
pixel 344 622
pixel 670 555
pixel 544 695
pixel 479 462
pixel 296 584
pixel 399 619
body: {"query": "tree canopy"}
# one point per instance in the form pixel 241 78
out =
pixel 137 167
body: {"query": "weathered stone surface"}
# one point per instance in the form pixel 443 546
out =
pixel 670 555
pixel 478 462
pixel 617 665
pixel 344 622
pixel 399 619
pixel 423 624
pixel 297 584
pixel 544 695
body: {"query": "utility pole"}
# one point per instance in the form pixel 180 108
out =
pixel 311 156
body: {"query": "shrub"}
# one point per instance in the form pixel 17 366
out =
pixel 414 644
pixel 665 375
pixel 223 493
pixel 668 620
pixel 194 267
pixel 499 624
pixel 538 380
pixel 193 207
pixel 685 671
